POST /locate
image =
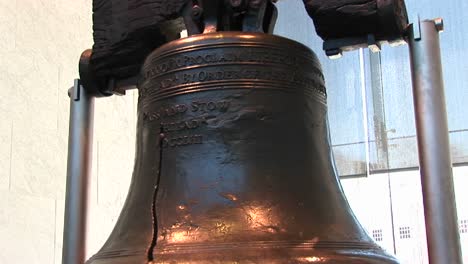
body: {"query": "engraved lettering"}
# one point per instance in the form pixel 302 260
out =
pixel 248 55
pixel 182 141
pixel 263 74
pixel 150 116
pixel 211 106
pixel 165 112
pixel 201 76
pixel 198 106
pixel 180 62
pixel 211 76
pixel 181 109
pixel 169 82
pixel 210 57
pixel 194 106
pixel 188 78
pixel 223 105
pixel 162 67
pixel 183 125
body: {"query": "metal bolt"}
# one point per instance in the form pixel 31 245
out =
pixel 334 53
pixel 336 56
pixel 235 3
pixel 374 48
pixel 439 23
pixel 255 4
pixel 197 12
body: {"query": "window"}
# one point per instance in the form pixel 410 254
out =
pixel 463 226
pixel 377 235
pixel 405 232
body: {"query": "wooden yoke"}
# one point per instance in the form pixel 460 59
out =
pixel 126 31
pixel 351 18
pixel 350 24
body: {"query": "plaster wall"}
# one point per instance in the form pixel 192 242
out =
pixel 40 44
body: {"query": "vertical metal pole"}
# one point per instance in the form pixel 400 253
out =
pixel 80 140
pixel 433 143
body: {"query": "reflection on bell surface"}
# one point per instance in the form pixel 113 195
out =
pixel 233 161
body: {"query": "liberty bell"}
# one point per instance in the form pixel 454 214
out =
pixel 233 160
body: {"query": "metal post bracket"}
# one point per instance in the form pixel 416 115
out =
pixel 80 139
pixel 433 142
pixel 416 27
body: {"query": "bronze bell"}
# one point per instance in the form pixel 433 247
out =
pixel 233 160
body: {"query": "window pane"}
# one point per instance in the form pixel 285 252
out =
pixel 370 96
pixel 398 91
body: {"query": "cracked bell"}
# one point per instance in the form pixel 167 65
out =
pixel 233 161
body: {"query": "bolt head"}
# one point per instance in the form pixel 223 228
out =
pixel 196 12
pixel 235 3
pixel 255 4
pixel 334 53
pixel 439 23
pixel 335 56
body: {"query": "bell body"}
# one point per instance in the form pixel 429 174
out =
pixel 233 161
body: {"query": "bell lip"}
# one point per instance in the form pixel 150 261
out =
pixel 234 37
pixel 327 251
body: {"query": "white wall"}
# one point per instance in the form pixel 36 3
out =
pixel 40 44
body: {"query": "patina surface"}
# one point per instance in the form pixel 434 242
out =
pixel 233 161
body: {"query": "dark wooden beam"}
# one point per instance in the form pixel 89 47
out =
pixel 338 19
pixel 126 31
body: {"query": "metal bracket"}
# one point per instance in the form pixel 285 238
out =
pixel 334 48
pixel 204 16
pixel 416 28
pixel 74 91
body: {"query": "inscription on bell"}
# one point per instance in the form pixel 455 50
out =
pixel 183 125
pixel 182 141
pixel 181 109
pixel 224 75
pixel 201 106
pixel 178 131
pixel 221 56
